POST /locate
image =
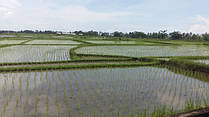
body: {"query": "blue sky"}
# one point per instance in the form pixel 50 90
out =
pixel 106 15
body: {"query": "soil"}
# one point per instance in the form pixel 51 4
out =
pixel 195 113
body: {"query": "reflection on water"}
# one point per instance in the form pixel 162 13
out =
pixel 99 92
pixel 7 36
pixel 143 51
pixel 202 61
pixel 11 41
pixel 112 42
pixel 16 54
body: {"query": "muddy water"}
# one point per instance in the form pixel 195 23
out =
pixel 99 92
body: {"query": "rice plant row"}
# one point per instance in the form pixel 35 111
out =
pixel 147 51
pixel 141 91
pixel 17 54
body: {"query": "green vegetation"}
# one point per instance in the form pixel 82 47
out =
pixel 37 68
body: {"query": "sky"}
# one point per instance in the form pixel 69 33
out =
pixel 105 15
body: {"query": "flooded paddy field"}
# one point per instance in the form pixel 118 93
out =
pixel 5 36
pixel 24 53
pixel 52 42
pixel 100 92
pixel 202 61
pixel 112 42
pixel 125 91
pixel 11 41
pixel 144 51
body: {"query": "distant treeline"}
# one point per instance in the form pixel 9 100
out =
pixel 176 35
pixel 155 35
pixel 29 32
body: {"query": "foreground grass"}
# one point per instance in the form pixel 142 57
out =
pixel 7 45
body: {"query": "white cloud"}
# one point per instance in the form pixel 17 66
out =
pixel 7 7
pixel 201 26
pixel 49 15
pixel 83 15
pixel 9 3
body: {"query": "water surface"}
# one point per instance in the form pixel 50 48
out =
pixel 99 92
pixel 144 51
pixel 34 53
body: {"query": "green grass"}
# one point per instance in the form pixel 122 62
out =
pixel 7 45
pixel 61 67
pixel 72 61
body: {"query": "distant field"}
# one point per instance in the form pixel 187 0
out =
pixel 27 36
pixel 3 36
pixel 63 37
pixel 34 53
pixel 143 51
pixel 112 42
pixel 202 61
pixel 52 42
pixel 11 41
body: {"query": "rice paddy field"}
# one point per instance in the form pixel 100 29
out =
pixel 52 42
pixel 103 92
pixel 144 51
pixel 202 61
pixel 112 42
pixel 2 42
pixel 26 53
pixel 73 77
pixel 63 37
pixel 3 36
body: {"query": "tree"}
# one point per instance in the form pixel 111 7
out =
pixel 91 33
pixel 162 34
pixel 118 34
pixel 137 34
pixel 205 37
pixel 195 37
pixel 105 34
pixel 79 32
pixel 175 35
